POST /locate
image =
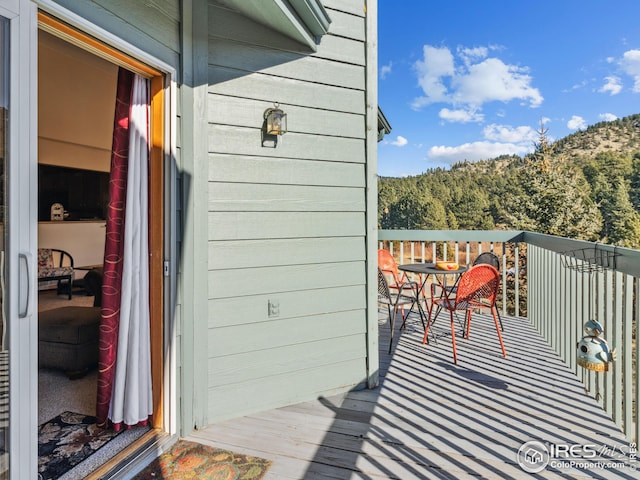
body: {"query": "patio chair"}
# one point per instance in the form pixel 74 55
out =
pixel 486 258
pixel 406 294
pixel 389 268
pixel 478 287
pixel 56 265
pixel 492 259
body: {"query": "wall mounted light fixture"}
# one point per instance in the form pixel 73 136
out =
pixel 274 124
pixel 275 121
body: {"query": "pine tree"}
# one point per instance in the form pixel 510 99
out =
pixel 554 200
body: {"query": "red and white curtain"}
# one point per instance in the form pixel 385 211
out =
pixel 124 367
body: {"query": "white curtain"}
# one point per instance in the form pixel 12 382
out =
pixel 131 399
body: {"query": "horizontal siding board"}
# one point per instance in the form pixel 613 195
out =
pixel 248 141
pixel 270 392
pixel 227 24
pixel 338 302
pixel 348 26
pixel 254 169
pixel 158 20
pixel 274 335
pixel 245 112
pixel 129 21
pixel 256 225
pixel 243 197
pixel 288 251
pixel 287 91
pixel 354 7
pixel 341 49
pixel 252 58
pixel 288 278
pixel 249 366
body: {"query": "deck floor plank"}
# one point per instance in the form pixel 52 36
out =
pixel 430 418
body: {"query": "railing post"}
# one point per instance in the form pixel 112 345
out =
pixel 517 280
pixel 636 437
pixel 608 379
pixel 627 360
pixel 616 342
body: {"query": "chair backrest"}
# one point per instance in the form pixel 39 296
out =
pixel 383 287
pixel 388 265
pixel 45 258
pixel 489 258
pixel 478 284
pixel 54 258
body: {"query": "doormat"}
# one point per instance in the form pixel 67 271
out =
pixel 66 440
pixel 190 460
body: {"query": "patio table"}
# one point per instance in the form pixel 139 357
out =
pixel 425 270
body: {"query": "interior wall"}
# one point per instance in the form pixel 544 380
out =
pixel 76 101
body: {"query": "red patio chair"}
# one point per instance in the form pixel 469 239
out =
pixel 477 288
pixel 489 258
pixel 395 279
pixel 389 267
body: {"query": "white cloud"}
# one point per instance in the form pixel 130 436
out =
pixel 577 86
pixel 475 151
pixel 613 85
pixel 436 64
pixel 608 117
pixel 630 64
pixel 508 134
pixel 468 55
pixel 385 70
pixel 400 141
pixel 493 80
pixel 476 81
pixel 576 123
pixel 460 116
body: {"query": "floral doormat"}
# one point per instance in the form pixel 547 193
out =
pixel 66 440
pixel 189 460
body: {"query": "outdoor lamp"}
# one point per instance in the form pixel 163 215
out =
pixel 275 121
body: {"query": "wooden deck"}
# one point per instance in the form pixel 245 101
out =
pixel 432 419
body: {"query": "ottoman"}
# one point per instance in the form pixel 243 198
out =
pixel 68 339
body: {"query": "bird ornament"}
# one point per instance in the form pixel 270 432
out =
pixel 593 351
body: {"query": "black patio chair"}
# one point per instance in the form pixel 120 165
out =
pixel 406 294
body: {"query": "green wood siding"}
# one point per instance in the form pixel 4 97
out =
pixel 153 27
pixel 254 169
pixel 282 63
pixel 287 225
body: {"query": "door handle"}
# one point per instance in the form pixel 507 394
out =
pixel 25 283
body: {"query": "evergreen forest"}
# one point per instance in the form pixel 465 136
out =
pixel 584 186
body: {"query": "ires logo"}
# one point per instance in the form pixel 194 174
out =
pixel 535 456
pixel 564 451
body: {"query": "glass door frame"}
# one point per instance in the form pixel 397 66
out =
pixel 21 237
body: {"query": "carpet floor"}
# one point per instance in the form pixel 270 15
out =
pixel 190 460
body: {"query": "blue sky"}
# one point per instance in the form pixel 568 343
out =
pixel 473 79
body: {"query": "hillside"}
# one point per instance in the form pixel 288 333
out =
pixel 589 179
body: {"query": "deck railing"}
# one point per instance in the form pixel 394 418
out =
pixel 565 283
